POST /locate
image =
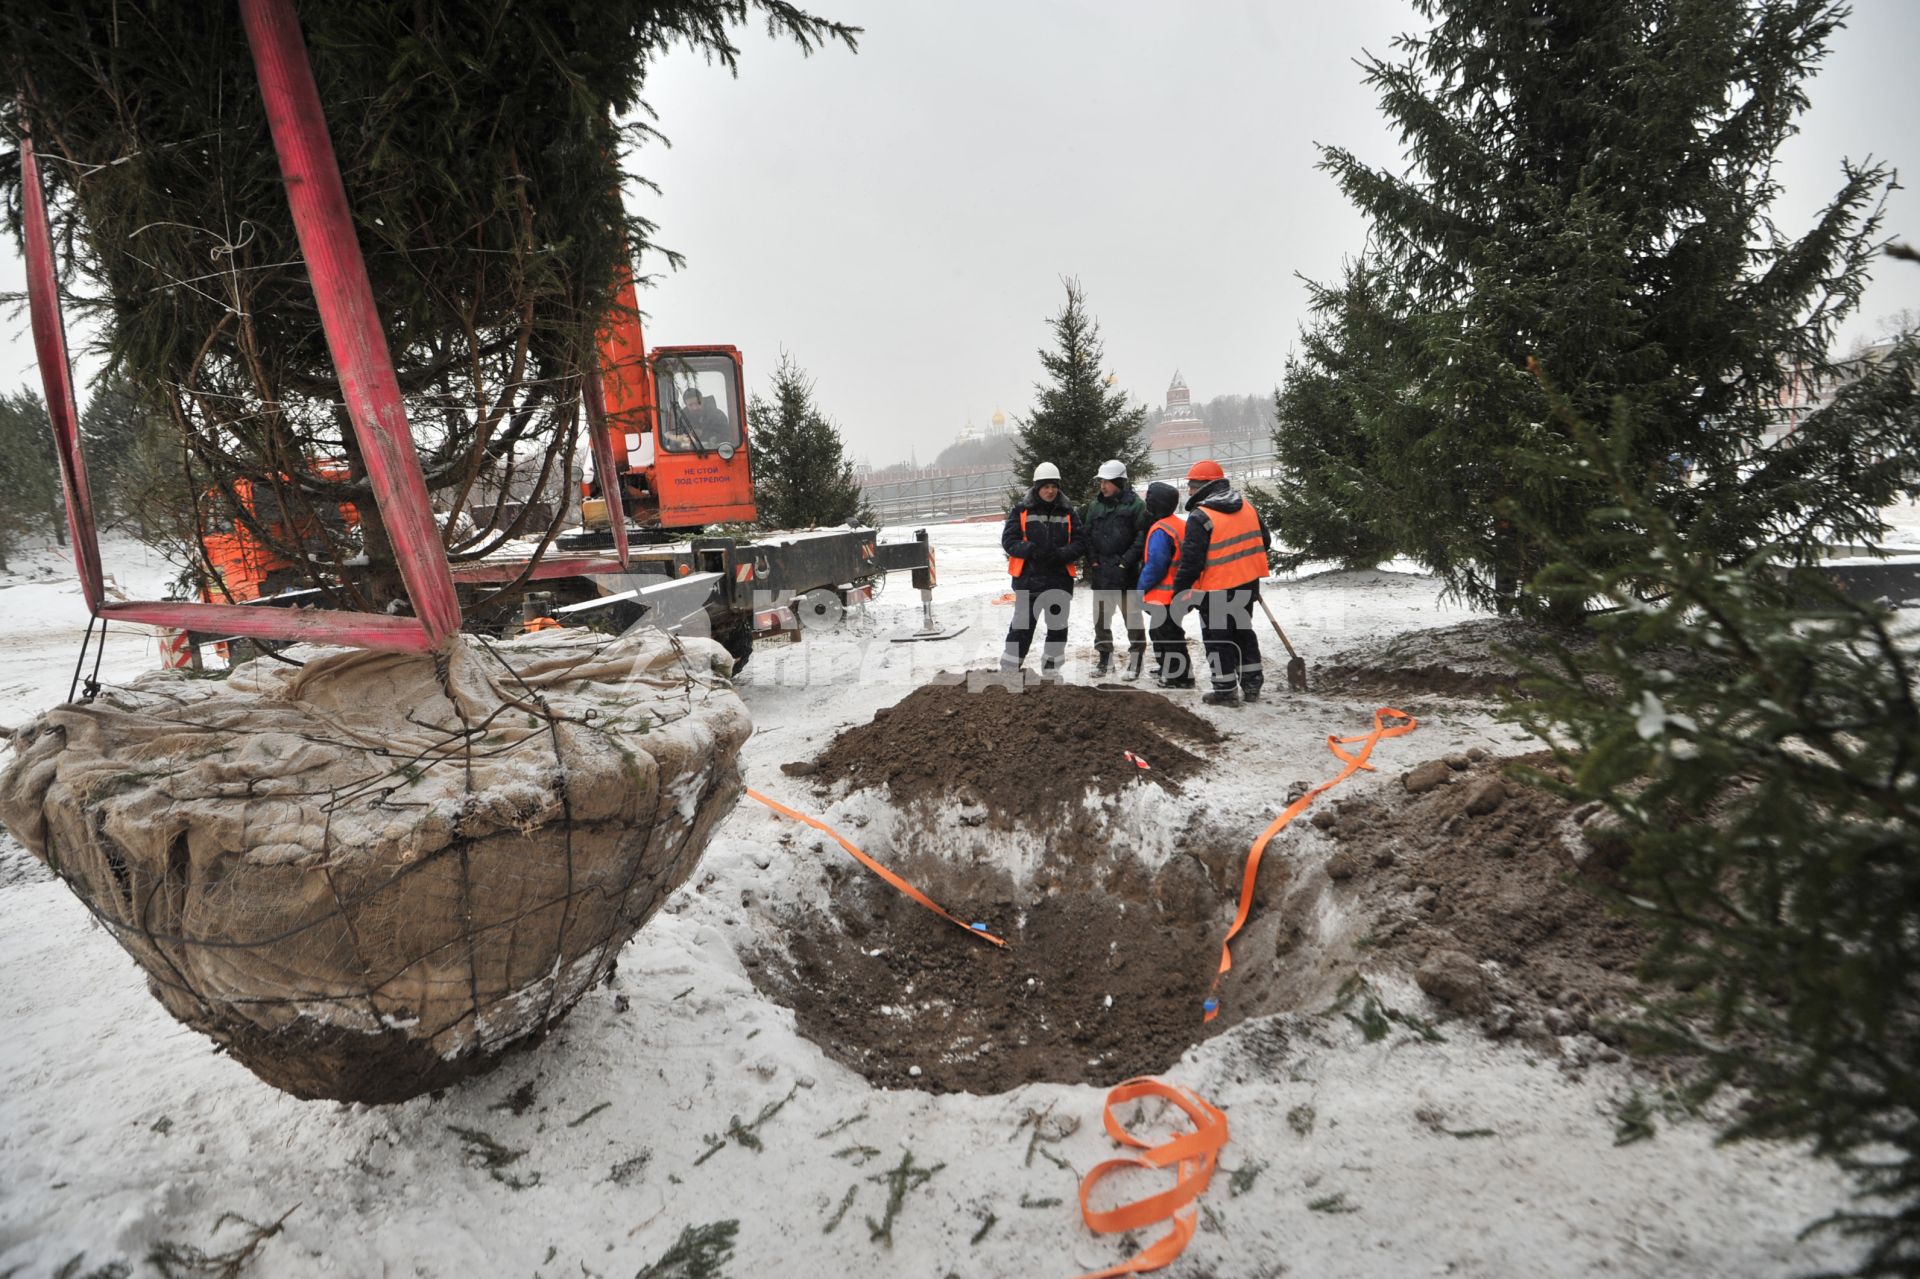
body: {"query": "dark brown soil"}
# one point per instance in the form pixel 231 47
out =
pixel 1471 661
pixel 1094 987
pixel 1023 752
pixel 1398 681
pixel 1466 660
pixel 1504 886
pixel 908 1000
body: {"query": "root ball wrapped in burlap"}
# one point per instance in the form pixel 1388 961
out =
pixel 367 876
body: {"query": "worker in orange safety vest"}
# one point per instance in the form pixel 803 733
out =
pixel 1223 558
pixel 1172 666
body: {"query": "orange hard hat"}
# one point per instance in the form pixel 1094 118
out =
pixel 1204 470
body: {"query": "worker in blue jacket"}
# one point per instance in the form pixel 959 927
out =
pixel 1172 667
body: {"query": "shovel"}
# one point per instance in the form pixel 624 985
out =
pixel 1296 664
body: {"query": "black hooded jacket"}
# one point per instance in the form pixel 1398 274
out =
pixel 1215 496
pixel 1052 540
pixel 1116 538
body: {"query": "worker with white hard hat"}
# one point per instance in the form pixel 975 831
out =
pixel 1116 525
pixel 1043 542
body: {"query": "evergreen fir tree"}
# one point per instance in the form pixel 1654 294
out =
pixel 482 151
pixel 1079 420
pixel 29 484
pixel 801 475
pixel 1326 504
pixel 1755 737
pixel 1589 191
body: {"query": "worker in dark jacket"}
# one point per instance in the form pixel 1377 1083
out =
pixel 1116 528
pixel 1223 557
pixel 1172 667
pixel 1043 542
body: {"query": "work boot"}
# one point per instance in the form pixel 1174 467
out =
pixel 1050 671
pixel 1250 687
pixel 1222 697
pixel 1103 663
pixel 1178 681
pixel 1136 662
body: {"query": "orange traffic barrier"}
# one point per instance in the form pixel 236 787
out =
pixel 1354 763
pixel 975 930
pixel 1192 1156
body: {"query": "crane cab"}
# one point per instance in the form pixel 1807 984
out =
pixel 701 470
pixel 678 420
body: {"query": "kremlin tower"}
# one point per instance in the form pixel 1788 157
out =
pixel 1180 427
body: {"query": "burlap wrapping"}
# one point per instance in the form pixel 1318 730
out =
pixel 368 876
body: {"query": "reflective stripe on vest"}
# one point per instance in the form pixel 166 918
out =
pixel 1016 565
pixel 1235 555
pixel 1175 527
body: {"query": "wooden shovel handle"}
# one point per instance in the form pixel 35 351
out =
pixel 1276 627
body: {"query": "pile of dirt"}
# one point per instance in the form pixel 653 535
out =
pixel 1464 661
pixel 1023 750
pixel 1473 661
pixel 1465 866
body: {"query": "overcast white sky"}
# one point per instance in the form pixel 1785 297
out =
pixel 899 219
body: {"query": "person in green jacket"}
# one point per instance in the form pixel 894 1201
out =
pixel 1116 531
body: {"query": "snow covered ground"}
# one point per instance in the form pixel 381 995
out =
pixel 679 1096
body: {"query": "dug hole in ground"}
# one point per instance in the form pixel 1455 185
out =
pixel 1413 1051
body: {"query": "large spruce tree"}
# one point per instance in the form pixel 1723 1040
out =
pixel 482 149
pixel 1588 199
pixel 801 475
pixel 1078 420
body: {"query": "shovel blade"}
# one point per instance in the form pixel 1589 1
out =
pixel 1297 674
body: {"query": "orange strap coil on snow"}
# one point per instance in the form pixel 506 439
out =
pixel 975 930
pixel 1354 763
pixel 1192 1155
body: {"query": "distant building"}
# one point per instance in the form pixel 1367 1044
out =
pixel 1180 427
pixel 1807 392
pixel 996 427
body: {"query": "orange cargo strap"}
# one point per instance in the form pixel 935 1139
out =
pixel 976 930
pixel 1354 763
pixel 1192 1155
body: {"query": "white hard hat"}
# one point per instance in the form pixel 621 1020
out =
pixel 1113 469
pixel 1046 471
